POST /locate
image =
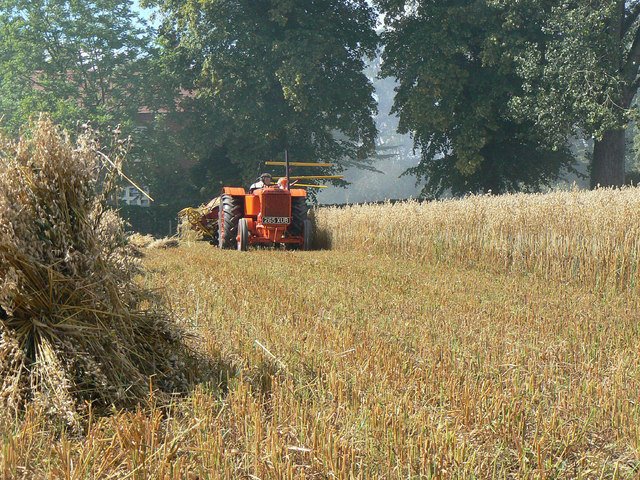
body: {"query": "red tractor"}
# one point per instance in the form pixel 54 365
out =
pixel 269 216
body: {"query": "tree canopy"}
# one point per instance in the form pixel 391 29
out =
pixel 579 62
pixel 274 74
pixel 455 86
pixel 79 61
pixel 91 63
pixel 490 90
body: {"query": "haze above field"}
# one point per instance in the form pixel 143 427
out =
pixel 394 155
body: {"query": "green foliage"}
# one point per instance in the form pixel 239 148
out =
pixel 577 63
pixel 275 74
pixel 91 62
pixel 157 159
pixel 455 85
pixel 78 61
pixel 511 162
pixel 159 220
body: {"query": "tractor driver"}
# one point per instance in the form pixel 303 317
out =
pixel 265 181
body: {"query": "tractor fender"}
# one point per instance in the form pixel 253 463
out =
pixel 251 205
pixel 234 191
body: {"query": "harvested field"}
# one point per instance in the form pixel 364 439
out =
pixel 342 364
pixel 493 337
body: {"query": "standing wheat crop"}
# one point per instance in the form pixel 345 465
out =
pixel 592 237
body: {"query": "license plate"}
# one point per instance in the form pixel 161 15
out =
pixel 277 220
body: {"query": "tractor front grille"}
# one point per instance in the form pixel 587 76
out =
pixel 276 204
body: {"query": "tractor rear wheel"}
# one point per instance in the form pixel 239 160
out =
pixel 231 211
pixel 243 235
pixel 299 211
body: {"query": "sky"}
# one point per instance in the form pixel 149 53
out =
pixel 144 12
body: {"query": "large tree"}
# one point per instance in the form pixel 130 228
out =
pixel 580 62
pixel 91 62
pixel 453 94
pixel 79 61
pixel 270 75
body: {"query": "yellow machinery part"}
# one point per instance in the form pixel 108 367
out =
pixel 300 164
pixel 312 177
pixel 309 186
pixel 196 217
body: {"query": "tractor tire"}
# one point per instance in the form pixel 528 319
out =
pixel 231 211
pixel 243 234
pixel 299 212
pixel 307 234
pixel 215 240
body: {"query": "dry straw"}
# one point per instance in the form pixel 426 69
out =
pixel 189 223
pixel 139 240
pixel 74 327
pixel 588 236
pixel 164 243
pixel 199 223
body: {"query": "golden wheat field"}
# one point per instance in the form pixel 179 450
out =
pixel 468 339
pixel 591 237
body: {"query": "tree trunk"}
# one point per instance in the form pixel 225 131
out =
pixel 607 169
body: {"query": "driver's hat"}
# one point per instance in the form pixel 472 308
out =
pixel 265 175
